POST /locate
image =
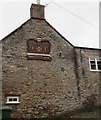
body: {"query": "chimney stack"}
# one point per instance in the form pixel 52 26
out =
pixel 37 11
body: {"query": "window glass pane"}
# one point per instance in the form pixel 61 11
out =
pixel 99 65
pixel 14 99
pixel 93 65
pixel 10 99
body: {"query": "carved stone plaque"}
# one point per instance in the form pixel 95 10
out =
pixel 38 49
pixel 42 47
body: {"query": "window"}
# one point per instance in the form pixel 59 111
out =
pixel 99 64
pixel 95 64
pixel 92 64
pixel 12 100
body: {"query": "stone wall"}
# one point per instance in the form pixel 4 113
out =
pixel 46 88
pixel 88 81
pixel 0 79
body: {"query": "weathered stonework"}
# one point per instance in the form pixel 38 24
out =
pixel 47 88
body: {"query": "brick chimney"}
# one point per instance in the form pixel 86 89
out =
pixel 37 11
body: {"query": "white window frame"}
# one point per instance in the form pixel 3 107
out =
pixel 95 59
pixel 12 102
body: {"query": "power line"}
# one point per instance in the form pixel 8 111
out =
pixel 82 19
pixel 48 3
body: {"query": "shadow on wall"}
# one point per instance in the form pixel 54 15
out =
pixel 89 110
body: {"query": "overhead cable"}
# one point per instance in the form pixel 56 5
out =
pixel 73 14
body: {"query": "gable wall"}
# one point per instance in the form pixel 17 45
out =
pixel 45 87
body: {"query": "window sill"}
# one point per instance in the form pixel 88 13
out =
pixel 12 102
pixel 95 70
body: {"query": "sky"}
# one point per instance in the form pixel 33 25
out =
pixel 76 20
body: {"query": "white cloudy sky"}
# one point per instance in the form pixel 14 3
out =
pixel 77 21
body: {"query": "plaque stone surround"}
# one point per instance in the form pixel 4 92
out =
pixel 38 49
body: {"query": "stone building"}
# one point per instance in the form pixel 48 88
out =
pixel 43 74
